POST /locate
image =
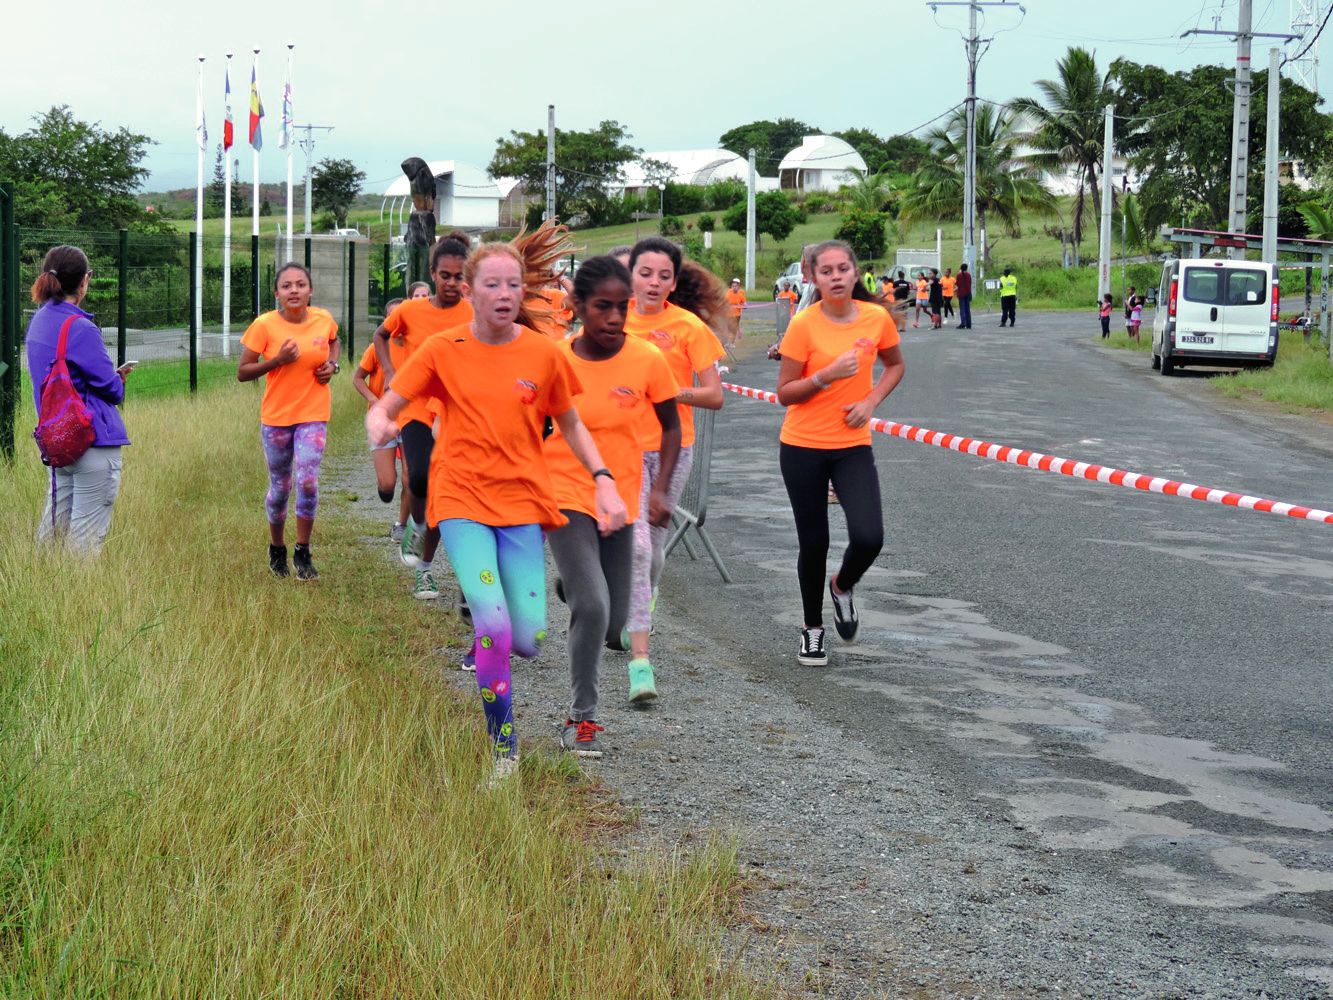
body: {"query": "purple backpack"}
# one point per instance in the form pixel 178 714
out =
pixel 64 428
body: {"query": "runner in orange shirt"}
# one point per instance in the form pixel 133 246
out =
pixel 922 298
pixel 299 346
pixel 491 495
pixel 736 299
pixel 948 285
pixel 674 302
pixel 625 380
pixel 790 298
pixel 368 380
pixel 396 339
pixel 826 382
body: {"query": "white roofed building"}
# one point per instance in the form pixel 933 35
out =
pixel 692 166
pixel 820 163
pixel 465 197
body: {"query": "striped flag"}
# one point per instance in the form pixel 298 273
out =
pixel 227 135
pixel 256 109
pixel 200 124
pixel 285 132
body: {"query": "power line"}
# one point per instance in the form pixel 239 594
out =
pixel 1310 44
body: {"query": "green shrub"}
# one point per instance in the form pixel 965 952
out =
pixel 684 199
pixel 865 232
pixel 721 195
pixel 706 223
pixel 671 225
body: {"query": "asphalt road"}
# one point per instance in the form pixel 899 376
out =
pixel 1141 684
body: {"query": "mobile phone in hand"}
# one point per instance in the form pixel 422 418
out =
pixel 127 367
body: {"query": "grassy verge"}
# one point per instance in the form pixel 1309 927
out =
pixel 214 783
pixel 1120 340
pixel 1301 379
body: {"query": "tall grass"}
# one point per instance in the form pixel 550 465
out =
pixel 1301 378
pixel 216 783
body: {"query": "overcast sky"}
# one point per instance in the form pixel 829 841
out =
pixel 444 80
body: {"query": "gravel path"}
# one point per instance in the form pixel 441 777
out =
pixel 880 861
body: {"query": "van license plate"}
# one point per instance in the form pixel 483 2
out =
pixel 1196 338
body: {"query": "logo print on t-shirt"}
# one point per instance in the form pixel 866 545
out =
pixel 527 390
pixel 662 339
pixel 865 344
pixel 624 397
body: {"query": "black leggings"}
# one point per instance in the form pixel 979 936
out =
pixel 807 473
pixel 418 443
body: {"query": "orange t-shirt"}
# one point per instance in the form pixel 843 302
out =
pixel 291 393
pixel 487 464
pixel 816 340
pixel 617 393
pixel 922 289
pixel 791 297
pixel 947 284
pixel 409 326
pixel 370 364
pixel 737 300
pixel 689 347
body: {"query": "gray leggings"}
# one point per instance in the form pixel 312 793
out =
pixel 84 495
pixel 595 571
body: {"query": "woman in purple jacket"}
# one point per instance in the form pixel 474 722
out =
pixel 78 508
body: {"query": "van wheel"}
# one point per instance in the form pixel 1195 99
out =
pixel 1156 362
pixel 1168 367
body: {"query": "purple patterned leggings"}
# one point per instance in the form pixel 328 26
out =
pixel 293 453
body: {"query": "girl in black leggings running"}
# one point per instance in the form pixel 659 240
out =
pixel 826 382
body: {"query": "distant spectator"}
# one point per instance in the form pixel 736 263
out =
pixel 78 505
pixel 964 298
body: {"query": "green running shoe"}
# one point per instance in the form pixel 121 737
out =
pixel 641 686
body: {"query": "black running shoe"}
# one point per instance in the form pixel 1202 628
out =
pixel 277 561
pixel 305 569
pixel 844 614
pixel 813 653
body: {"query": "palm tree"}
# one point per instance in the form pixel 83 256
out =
pixel 1066 131
pixel 1005 184
pixel 1319 221
pixel 870 192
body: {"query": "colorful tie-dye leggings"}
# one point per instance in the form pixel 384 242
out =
pixel 503 575
pixel 293 452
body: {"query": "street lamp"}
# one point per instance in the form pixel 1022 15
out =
pixel 661 199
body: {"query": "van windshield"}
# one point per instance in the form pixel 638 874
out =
pixel 1226 286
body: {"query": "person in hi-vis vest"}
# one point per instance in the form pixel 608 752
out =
pixel 1008 298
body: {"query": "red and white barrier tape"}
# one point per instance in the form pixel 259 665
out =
pixel 1069 467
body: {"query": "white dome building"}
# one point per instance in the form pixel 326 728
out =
pixel 819 163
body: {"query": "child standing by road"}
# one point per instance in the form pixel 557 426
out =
pixel 1136 318
pixel 1105 314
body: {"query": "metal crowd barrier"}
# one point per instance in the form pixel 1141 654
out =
pixel 692 510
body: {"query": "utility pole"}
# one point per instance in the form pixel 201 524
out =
pixel 550 162
pixel 308 147
pixel 1240 116
pixel 1108 191
pixel 1271 154
pixel 972 42
pixel 1305 19
pixel 749 224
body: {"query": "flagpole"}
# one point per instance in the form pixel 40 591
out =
pixel 226 222
pixel 288 118
pixel 254 201
pixel 201 140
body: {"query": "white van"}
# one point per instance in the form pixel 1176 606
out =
pixel 1215 312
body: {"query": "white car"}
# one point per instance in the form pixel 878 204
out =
pixel 791 275
pixel 1215 312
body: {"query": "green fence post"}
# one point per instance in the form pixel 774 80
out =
pixel 122 293
pixel 351 299
pixel 194 319
pixel 384 288
pixel 308 248
pixel 9 325
pixel 254 273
